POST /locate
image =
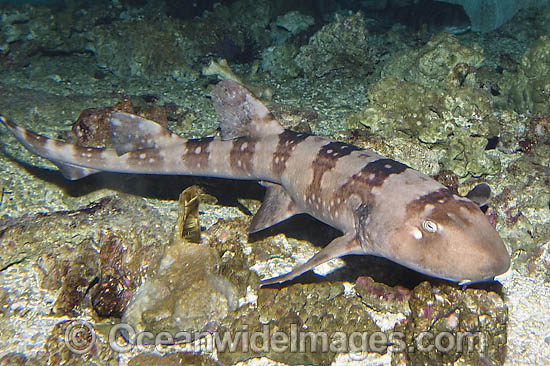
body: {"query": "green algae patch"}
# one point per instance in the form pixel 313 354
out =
pixel 299 325
pixel 430 114
pixel 456 121
pixel 434 64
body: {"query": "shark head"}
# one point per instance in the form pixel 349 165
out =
pixel 447 236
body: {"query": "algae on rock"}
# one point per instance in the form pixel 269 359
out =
pixel 528 90
pixel 464 326
pixel 457 121
pixel 161 53
pixel 313 317
pixel 290 24
pixel 341 46
pixel 433 65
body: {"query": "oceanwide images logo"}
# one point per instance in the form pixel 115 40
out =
pixel 80 338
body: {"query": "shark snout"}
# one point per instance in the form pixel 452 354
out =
pixel 497 262
pixel 486 259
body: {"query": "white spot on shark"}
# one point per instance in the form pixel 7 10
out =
pixel 417 234
pixel 428 208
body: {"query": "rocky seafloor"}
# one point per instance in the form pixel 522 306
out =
pixel 80 258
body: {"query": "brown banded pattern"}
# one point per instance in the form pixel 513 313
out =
pixel 441 197
pixel 376 172
pixel 242 154
pixel 336 150
pixel 326 160
pixel 373 174
pixel 197 153
pixel 288 140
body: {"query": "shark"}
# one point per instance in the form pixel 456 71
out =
pixel 381 206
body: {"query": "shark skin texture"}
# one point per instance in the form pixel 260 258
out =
pixel 381 206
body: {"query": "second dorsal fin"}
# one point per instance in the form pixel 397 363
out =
pixel 130 133
pixel 240 113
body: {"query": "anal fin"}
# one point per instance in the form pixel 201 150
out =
pixel 339 247
pixel 73 172
pixel 276 207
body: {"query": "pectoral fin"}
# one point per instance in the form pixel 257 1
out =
pixel 276 207
pixel 480 194
pixel 343 245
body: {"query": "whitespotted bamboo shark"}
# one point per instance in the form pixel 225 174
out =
pixel 383 207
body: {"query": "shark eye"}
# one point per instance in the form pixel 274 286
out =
pixel 429 226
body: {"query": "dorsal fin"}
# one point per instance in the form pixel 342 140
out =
pixel 240 113
pixel 130 132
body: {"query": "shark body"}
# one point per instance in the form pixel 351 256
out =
pixel 381 206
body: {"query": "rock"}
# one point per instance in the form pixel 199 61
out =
pixel 341 46
pixel 457 122
pixel 435 63
pixel 448 325
pixel 171 359
pixel 290 24
pixel 291 323
pixel 527 89
pixel 186 296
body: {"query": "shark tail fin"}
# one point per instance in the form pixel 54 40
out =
pixel 42 146
pixel 241 113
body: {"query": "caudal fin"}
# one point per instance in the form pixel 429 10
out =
pixel 48 149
